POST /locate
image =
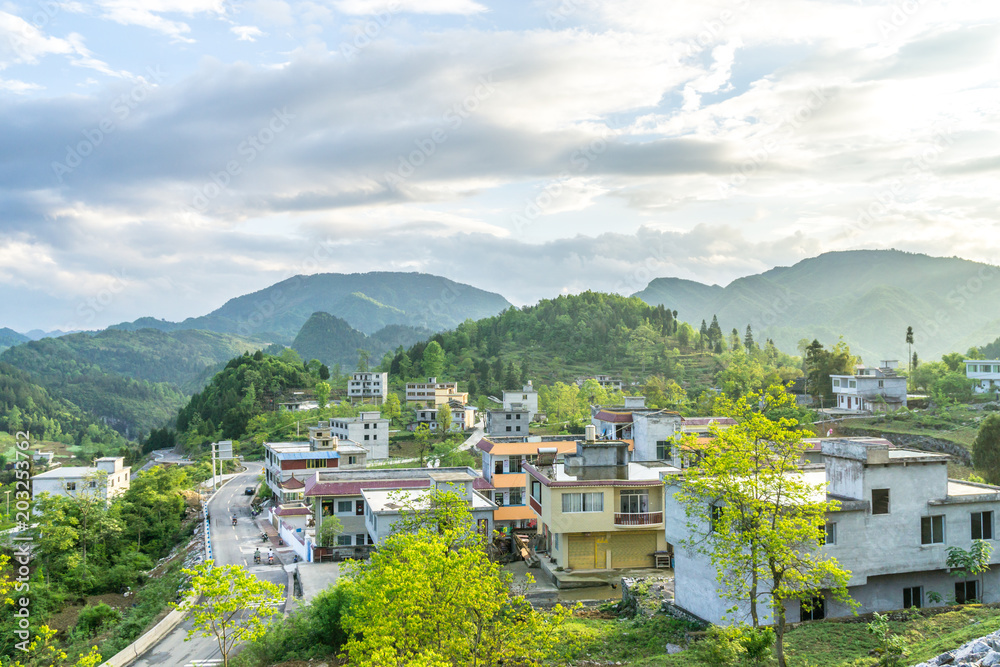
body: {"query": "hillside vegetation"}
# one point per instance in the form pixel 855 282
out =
pixel 333 341
pixel 867 296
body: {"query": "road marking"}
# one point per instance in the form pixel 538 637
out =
pixel 204 663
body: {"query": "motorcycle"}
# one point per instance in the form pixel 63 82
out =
pixel 281 542
pixel 234 521
pixel 256 558
pixel 295 558
pixel 263 537
pixel 270 560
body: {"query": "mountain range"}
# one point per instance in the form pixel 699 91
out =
pixel 869 297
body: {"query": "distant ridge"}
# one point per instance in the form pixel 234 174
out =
pixel 368 302
pixel 868 296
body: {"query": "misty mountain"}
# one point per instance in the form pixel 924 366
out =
pixel 333 341
pixel 868 296
pixel 368 302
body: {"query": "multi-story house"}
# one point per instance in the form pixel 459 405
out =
pixel 898 516
pixel 367 386
pixel 107 478
pixel 434 393
pixel 287 464
pixel 463 418
pixel 870 389
pixel 368 429
pixel 502 459
pixel 597 509
pixel 383 507
pixel 508 422
pixel 606 381
pixel 340 494
pixel 985 373
pixel 525 398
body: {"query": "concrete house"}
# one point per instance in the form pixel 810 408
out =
pixel 870 389
pixel 985 373
pixel 463 418
pixel 434 393
pixel 341 494
pixel 502 459
pixel 598 510
pixel 107 478
pixel 899 513
pixel 286 464
pixel 365 387
pixel 369 430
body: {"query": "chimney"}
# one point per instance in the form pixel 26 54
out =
pixel 591 433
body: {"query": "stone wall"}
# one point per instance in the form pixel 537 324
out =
pixel 982 652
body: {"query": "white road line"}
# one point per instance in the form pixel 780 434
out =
pixel 204 663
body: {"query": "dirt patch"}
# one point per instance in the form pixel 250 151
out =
pixel 67 617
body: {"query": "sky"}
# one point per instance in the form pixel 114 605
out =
pixel 158 157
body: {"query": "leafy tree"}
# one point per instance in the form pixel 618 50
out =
pixel 986 449
pixel 42 651
pixel 953 360
pixel 291 357
pixel 236 606
pixel 890 646
pixel 444 419
pixel 391 407
pixel 434 598
pixel 324 372
pixel 954 387
pixel 909 345
pixel 822 363
pixel 752 513
pixel 422 435
pixel 748 340
pixel 433 360
pixel 322 391
pixel 971 563
pixel 363 357
pixel 329 530
pixel 914 360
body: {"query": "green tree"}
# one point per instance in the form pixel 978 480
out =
pixel 444 419
pixel 822 363
pixel 753 514
pixel 422 434
pixel 324 372
pixel 953 360
pixel 433 597
pixel 329 530
pixel 391 408
pixel 236 606
pixel 363 357
pixel 986 449
pixel 909 345
pixel 322 392
pixel 748 340
pixel 971 563
pixel 433 360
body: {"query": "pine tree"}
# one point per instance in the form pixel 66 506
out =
pixel 748 340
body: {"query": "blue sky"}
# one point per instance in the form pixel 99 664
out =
pixel 160 157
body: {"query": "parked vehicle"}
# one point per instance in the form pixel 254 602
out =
pixel 249 491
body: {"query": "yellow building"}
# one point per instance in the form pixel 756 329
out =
pixel 435 393
pixel 597 510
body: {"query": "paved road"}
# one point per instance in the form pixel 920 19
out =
pixel 165 456
pixel 231 545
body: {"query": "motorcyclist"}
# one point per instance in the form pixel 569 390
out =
pixel 270 557
pixel 234 519
pixel 256 556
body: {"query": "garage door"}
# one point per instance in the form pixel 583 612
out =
pixel 632 549
pixel 581 553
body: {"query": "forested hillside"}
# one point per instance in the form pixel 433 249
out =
pixel 869 297
pixel 333 341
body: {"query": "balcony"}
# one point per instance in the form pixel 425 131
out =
pixel 643 519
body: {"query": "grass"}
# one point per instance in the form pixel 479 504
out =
pixel 834 643
pixel 958 424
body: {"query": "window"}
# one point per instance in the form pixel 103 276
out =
pixel 498 498
pixel 343 540
pixel 366 436
pixel 91 484
pixel 359 508
pixel 536 490
pixel 982 525
pixel 966 591
pixel 812 610
pixel 583 502
pixel 508 429
pixel 852 384
pixel 518 416
pixel 351 460
pixel 880 501
pixel 359 539
pixel 508 416
pixel 836 382
pixel 716 516
pixel 498 466
pixel 71 486
pixel 881 383
pixel 662 450
pixel 932 529
pixel 345 507
pixel 518 429
pixel 913 597
pixel 634 502
pixel 516 497
pixel 831 533
pixel 555 541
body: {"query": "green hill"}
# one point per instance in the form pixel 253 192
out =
pixel 333 341
pixel 367 301
pixel 869 297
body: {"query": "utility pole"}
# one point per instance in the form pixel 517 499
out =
pixel 213 467
pixel 8 501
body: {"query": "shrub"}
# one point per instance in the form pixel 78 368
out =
pixel 757 643
pixel 721 646
pixel 93 618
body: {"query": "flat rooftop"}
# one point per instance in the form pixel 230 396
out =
pixel 391 501
pixel 635 473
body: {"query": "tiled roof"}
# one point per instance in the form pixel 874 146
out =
pixel 705 421
pixel 293 483
pixel 614 416
pixel 480 484
pixel 293 511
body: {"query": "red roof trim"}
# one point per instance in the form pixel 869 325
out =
pixel 485 445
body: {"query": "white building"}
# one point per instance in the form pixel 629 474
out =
pixel 870 389
pixel 525 398
pixel 109 477
pixel 368 386
pixel 434 393
pixel 985 372
pixel 899 514
pixel 383 506
pixel 287 464
pixel 369 429
pixel 463 418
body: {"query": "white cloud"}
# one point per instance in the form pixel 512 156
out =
pixel 15 86
pixel 148 14
pixel 368 7
pixel 246 33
